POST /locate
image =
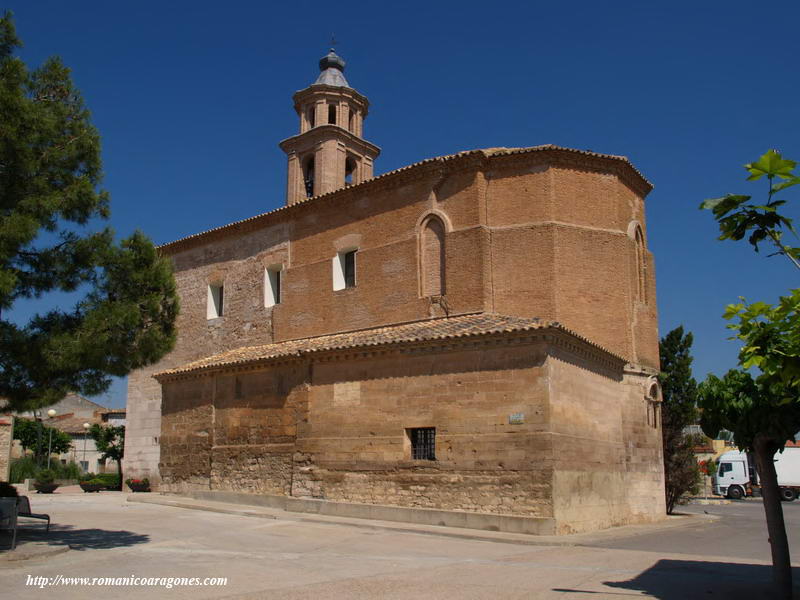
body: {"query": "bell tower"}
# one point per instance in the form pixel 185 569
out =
pixel 330 152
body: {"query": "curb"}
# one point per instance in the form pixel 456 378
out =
pixel 580 539
pixel 203 507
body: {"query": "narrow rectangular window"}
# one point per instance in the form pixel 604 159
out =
pixel 423 443
pixel 350 269
pixel 344 270
pixel 216 296
pixel 272 286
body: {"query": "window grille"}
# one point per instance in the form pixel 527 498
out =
pixel 423 443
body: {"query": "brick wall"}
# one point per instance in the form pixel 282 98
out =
pixel 526 235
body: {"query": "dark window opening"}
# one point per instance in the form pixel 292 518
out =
pixel 277 286
pixel 423 443
pixel 312 117
pixel 308 177
pixel 349 169
pixel 350 121
pixel 332 114
pixel 350 269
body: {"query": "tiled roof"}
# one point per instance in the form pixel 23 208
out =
pixel 420 331
pixel 486 152
pixel 69 423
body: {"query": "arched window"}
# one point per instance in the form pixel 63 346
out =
pixel 653 406
pixel 433 257
pixel 312 117
pixel 350 119
pixel 349 170
pixel 332 114
pixel 641 266
pixel 308 176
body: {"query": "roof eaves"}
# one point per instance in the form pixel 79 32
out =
pixel 487 153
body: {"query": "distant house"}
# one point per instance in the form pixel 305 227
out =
pixel 74 416
pixel 70 404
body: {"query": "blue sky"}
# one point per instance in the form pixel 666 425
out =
pixel 192 98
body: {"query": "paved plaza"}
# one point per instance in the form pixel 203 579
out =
pixel 267 553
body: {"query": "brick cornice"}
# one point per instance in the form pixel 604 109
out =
pixel 442 165
pixel 552 336
pixel 323 133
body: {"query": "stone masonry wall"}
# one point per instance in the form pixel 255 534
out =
pixel 529 427
pixel 355 446
pixel 608 461
pixel 6 441
pixel 233 432
pixel 256 416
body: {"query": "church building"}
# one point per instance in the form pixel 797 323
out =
pixel 469 340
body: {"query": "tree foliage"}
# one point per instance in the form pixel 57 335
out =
pixel 110 442
pixel 738 217
pixel 50 170
pixel 678 410
pixel 35 436
pixel 762 410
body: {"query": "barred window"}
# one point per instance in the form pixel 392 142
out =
pixel 423 443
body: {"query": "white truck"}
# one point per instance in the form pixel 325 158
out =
pixel 737 475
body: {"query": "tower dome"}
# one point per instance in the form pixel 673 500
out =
pixel 331 68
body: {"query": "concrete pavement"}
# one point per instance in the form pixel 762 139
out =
pixel 288 557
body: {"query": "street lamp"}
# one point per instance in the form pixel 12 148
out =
pixel 85 435
pixel 50 413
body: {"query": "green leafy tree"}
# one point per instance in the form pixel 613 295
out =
pixel 738 216
pixel 50 170
pixel 762 410
pixel 35 436
pixel 110 442
pixel 678 410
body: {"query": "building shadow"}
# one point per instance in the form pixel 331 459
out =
pixel 671 579
pixel 76 539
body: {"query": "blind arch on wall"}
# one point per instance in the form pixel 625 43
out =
pixel 433 263
pixel 641 266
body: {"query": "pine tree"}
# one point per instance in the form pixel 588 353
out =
pixel 50 172
pixel 679 409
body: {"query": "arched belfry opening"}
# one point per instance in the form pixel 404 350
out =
pixel 349 171
pixel 308 176
pixel 433 257
pixel 331 120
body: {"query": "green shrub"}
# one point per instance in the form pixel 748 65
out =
pixel 110 480
pixel 71 470
pixel 45 476
pixel 88 477
pixel 7 490
pixel 22 468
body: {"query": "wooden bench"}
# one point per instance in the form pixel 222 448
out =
pixel 24 510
